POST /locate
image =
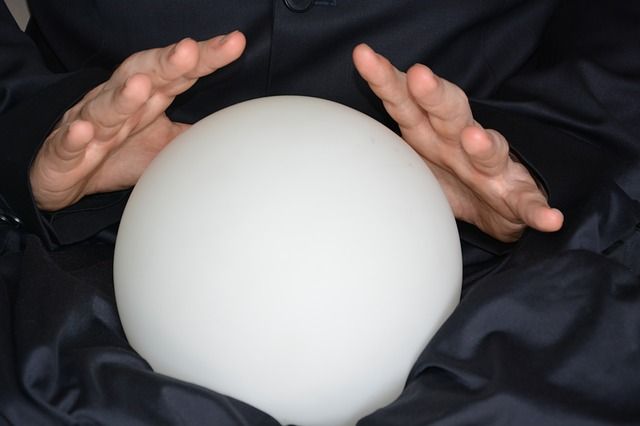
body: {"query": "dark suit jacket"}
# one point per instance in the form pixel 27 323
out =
pixel 560 79
pixel 518 59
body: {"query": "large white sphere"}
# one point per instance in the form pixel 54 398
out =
pixel 292 253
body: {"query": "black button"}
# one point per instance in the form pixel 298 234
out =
pixel 298 5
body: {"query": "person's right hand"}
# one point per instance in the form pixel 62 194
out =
pixel 106 140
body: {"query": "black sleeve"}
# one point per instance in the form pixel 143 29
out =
pixel 583 79
pixel 572 114
pixel 32 101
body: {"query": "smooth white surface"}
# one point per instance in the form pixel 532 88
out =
pixel 292 253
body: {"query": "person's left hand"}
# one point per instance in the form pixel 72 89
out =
pixel 482 182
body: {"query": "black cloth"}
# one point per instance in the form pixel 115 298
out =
pixel 547 331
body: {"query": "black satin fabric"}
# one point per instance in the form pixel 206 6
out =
pixel 534 345
pixel 555 341
pixel 548 329
pixel 65 359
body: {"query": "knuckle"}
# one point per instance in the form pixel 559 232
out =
pixel 461 95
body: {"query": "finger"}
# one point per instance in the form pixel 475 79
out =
pixel 162 65
pixel 217 53
pixel 532 207
pixel 543 218
pixel 173 69
pixel 390 86
pixel 72 143
pixel 488 150
pixel 167 67
pixel 112 108
pixel 445 103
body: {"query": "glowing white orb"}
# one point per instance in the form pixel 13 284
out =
pixel 292 253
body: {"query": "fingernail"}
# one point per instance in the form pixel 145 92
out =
pixel 225 37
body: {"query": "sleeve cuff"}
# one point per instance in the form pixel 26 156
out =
pixel 568 168
pixel 24 129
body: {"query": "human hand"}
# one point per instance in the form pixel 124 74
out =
pixel 484 185
pixel 106 140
